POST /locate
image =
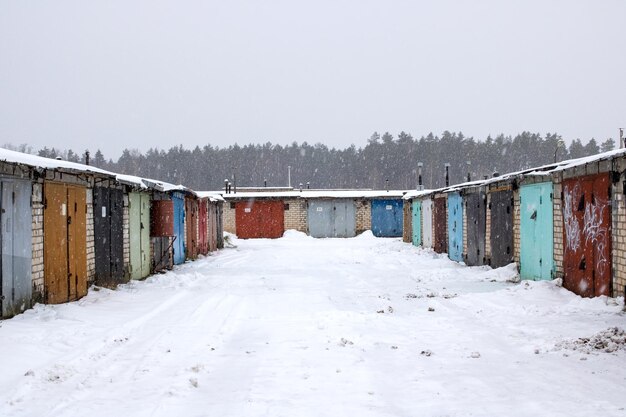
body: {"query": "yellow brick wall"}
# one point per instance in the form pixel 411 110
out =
pixel 618 215
pixel 296 216
pixel 488 228
pixel 363 216
pixel 228 218
pixel 557 216
pixel 516 227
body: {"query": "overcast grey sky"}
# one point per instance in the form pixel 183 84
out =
pixel 139 74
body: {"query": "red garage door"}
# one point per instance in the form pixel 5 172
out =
pixel 260 219
pixel 587 233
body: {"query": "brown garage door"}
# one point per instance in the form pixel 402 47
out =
pixel 191 222
pixel 441 225
pixel 260 219
pixel 65 243
pixel 587 235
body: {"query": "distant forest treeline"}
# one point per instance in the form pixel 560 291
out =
pixel 385 157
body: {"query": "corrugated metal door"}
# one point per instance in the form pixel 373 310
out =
pixel 179 228
pixel 455 227
pixel 191 215
pixel 108 235
pixel 387 218
pixel 203 213
pixel 417 223
pixel 476 211
pixel 16 226
pixel 427 223
pixel 536 231
pixel 139 231
pixel 587 235
pixel 441 226
pixel 501 228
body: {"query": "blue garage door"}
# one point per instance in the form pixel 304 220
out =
pixel 387 218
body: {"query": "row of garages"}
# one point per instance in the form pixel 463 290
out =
pixel 565 220
pixel 321 214
pixel 66 226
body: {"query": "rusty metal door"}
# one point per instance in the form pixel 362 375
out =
pixel 77 241
pixel 587 235
pixel 441 225
pixel 260 219
pixel 16 237
pixel 220 225
pixel 108 208
pixel 476 211
pixel 203 226
pixel 191 222
pixel 55 243
pixel 501 238
pixel 212 220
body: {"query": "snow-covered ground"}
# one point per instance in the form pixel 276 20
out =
pixel 318 327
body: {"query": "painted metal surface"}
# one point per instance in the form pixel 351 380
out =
pixel 536 232
pixel 476 212
pixel 203 226
pixel 212 223
pixel 332 218
pixel 139 234
pixel 65 242
pixel 455 227
pixel 161 231
pixel 417 223
pixel 16 229
pixel 162 218
pixel 179 228
pixel 191 223
pixel 587 235
pixel 220 225
pixel 441 225
pixel 387 217
pixel 427 223
pixel 501 238
pixel 108 212
pixel 260 219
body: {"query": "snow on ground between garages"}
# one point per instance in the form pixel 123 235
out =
pixel 316 327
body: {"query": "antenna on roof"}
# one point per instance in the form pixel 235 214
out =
pixel 447 165
pixel 621 137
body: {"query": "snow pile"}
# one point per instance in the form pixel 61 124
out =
pixel 367 235
pixel 505 274
pixel 295 235
pixel 610 340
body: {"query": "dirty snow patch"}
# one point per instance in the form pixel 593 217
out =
pixel 610 340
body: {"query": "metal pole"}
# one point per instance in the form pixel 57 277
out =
pixel 469 176
pixel 621 137
pixel 447 174
pixel 289 176
pixel 420 185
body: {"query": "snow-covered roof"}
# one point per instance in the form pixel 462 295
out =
pixel 35 161
pixel 319 194
pixel 211 195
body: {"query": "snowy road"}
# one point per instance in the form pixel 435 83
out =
pixel 305 327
